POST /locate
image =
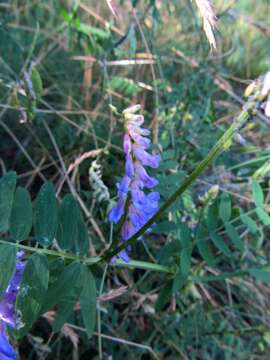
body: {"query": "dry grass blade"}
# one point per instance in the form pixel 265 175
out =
pixel 209 20
pixel 84 156
pixel 112 7
pixel 112 294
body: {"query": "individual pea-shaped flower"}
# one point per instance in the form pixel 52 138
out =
pixel 136 204
pixel 7 309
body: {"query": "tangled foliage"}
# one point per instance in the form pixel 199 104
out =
pixel 120 241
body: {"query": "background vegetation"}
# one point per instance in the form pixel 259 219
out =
pixel 62 64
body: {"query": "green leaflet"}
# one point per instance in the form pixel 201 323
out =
pixel 185 252
pixel 88 300
pixel 257 232
pixel 213 216
pixel 62 287
pixel 33 287
pixel 185 260
pixel 225 214
pixel 178 282
pixel 7 188
pixel 259 274
pixel 203 247
pixel 212 222
pixel 82 245
pixel 186 249
pixel 21 215
pixel 206 253
pixel 169 250
pixel 91 30
pixel 185 236
pixel 37 82
pixel 234 236
pixel 225 207
pixel 220 243
pixel 250 223
pixel 67 232
pixel 257 193
pixel 164 227
pixel 72 233
pixel 45 215
pixel 66 305
pixel 258 197
pixel 7 265
pixel 263 216
pixel 164 295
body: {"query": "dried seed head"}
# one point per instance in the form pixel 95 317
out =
pixel 209 20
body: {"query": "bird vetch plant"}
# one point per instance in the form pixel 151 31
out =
pixel 135 206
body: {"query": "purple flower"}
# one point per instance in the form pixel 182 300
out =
pixel 141 206
pixel 7 309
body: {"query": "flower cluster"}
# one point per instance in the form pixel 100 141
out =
pixel 7 309
pixel 134 203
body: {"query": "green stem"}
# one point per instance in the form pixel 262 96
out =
pixel 218 147
pixel 133 264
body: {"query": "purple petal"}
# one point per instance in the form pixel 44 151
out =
pixel 146 158
pixel 124 256
pixel 137 218
pixel 123 186
pixel 137 195
pixel 134 130
pixel 7 312
pixel 6 350
pixel 142 141
pixel 129 166
pixel 149 205
pixel 136 134
pixel 136 120
pixel 118 210
pixel 127 144
pixel 147 180
pixel 132 109
pixel 126 230
pixel 153 196
pixel 7 303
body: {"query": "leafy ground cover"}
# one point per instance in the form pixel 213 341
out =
pixel 197 285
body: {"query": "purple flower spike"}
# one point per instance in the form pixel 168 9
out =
pixel 141 206
pixel 7 309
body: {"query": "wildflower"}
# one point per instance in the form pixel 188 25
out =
pixel 7 309
pixel 134 203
